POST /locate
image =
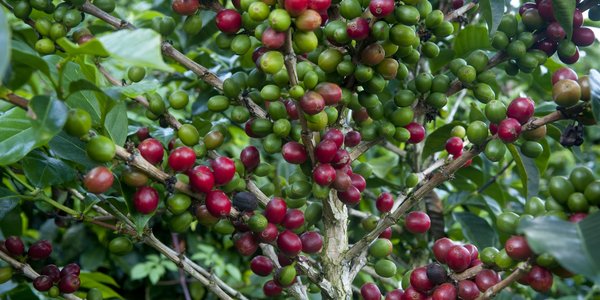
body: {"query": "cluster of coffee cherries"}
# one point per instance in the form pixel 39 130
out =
pixel 568 88
pixel 51 279
pixel 473 73
pixel 575 196
pixel 539 17
pixel 56 20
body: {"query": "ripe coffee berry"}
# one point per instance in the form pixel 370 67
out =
pixel 250 158
pixel 358 182
pixel 485 279
pixel 14 246
pixel 417 132
pixel 294 153
pixel 441 248
pixel 261 265
pixel 381 8
pixel 509 130
pixel 69 284
pixel 351 196
pixel 454 146
pixel 40 250
pixel 436 273
pixel 358 29
pixel 324 174
pixel 228 21
pixel 394 294
pixel 520 109
pixel 245 243
pixel 458 258
pixel 201 179
pixel 412 294
pixel 275 210
pixel 42 283
pixel 223 169
pixel 540 279
pixel 517 248
pixel 370 291
pixel 312 242
pixel 151 150
pixel 289 243
pixel 352 139
pixel 185 7
pixel 269 234
pixel 145 200
pixel 420 281
pixel 182 159
pixel 325 151
pixel 473 250
pixel 563 73
pixel 271 289
pixel 341 159
pixel 218 204
pixel 384 202
pixel 293 219
pixel 386 234
pixel 417 222
pixel 51 271
pixel 445 291
pixel 467 290
pixel 335 135
pixel 98 180
pixel 71 268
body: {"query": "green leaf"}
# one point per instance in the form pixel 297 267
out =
pixel 234 272
pixel 492 11
pixel 140 221
pixel 23 54
pixel 99 281
pixel 8 201
pixel 563 12
pixel 132 90
pixel 595 92
pixel 472 37
pixel 70 148
pixel 383 164
pixel 12 223
pixel 436 141
pixel 92 47
pixel 528 171
pixel 476 229
pixel 115 123
pixel 86 100
pixel 147 48
pixel 442 60
pixel 139 271
pixel 43 170
pixel 4 44
pixel 50 117
pixel 574 245
pixel 83 85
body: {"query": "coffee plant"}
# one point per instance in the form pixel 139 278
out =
pixel 307 149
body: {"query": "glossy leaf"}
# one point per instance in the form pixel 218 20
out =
pixel 492 11
pixel 49 117
pixel 563 12
pixel 147 48
pixel 101 282
pixel 84 99
pixel 23 54
pixel 4 44
pixel 71 149
pixel 575 246
pixel 43 171
pixel 472 37
pixel 528 172
pixel 116 123
pixel 91 47
pixel 8 201
pixel 476 229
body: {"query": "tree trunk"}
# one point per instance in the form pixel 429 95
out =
pixel 335 269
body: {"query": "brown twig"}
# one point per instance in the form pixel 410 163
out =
pixel 459 11
pixel 364 147
pixel 517 273
pixel 29 272
pixel 468 273
pixel 182 280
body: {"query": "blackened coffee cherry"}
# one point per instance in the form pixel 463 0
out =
pixel 40 250
pixel 14 245
pixel 245 201
pixel 436 273
pixel 145 200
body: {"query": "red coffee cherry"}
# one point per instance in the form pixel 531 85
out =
pixel 441 248
pixel 417 132
pixel 325 151
pixel 352 139
pixel 182 159
pixel 419 280
pixel 151 150
pixel 358 29
pixel 467 290
pixel 98 180
pixel 370 291
pixel 271 289
pixel 223 169
pixel 412 294
pixel 293 219
pixel 312 103
pixel 509 130
pixel 417 222
pixel 42 283
pixel 358 182
pixel 446 291
pixel 201 179
pixel 335 135
pixel 381 8
pixel 385 202
pixel 351 196
pixel 273 39
pixel 185 7
pixel 69 284
pixel 269 234
pixel 51 271
pixel 454 146
pixel 289 243
pixel 458 258
pixel 324 174
pixel 485 279
pixel 331 93
pixel 386 233
pixel 295 7
pixel 312 242
pixel 517 248
pixel 563 73
pixel 40 250
pixel 218 204
pixel 341 159
pixel 142 133
pixel 275 210
pixel 145 200
pixel 394 294
pixel 540 279
pixel 473 250
pixel 520 109
pixel 261 265
pixel 71 268
pixel 319 5
pixel 228 21
pixel 245 243
pixel 250 158
pixel 294 153
pixel 14 245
